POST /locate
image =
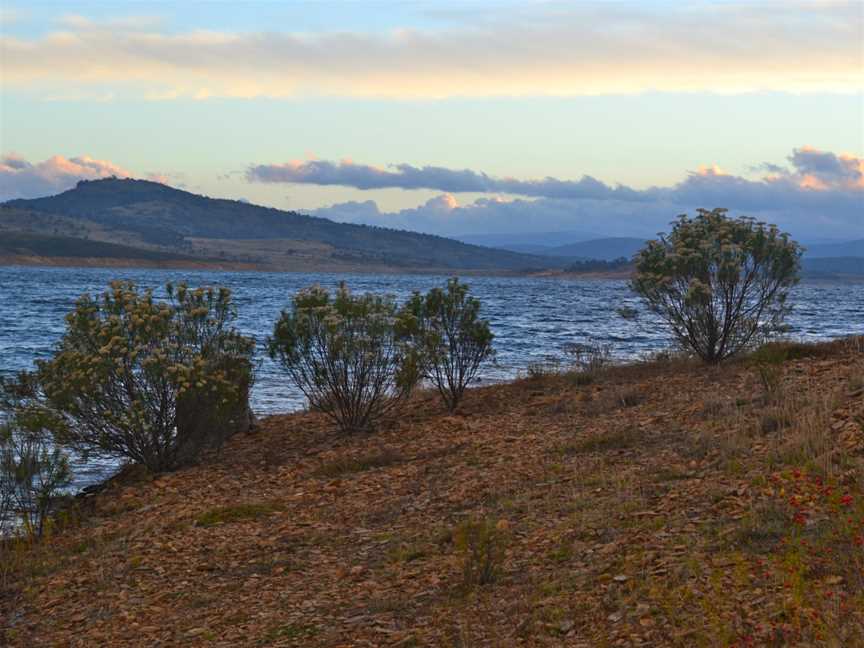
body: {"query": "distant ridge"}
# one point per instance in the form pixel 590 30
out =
pixel 152 216
pixel 539 240
pixel 608 249
pixel 605 249
pixel 833 250
pixel 838 267
pixel 600 249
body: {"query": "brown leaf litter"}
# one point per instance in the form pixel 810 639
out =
pixel 626 510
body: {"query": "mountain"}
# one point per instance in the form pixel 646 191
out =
pixel 148 216
pixel 41 245
pixel 595 248
pixel 609 249
pixel 604 249
pixel 527 240
pixel 833 250
pixel 526 248
pixel 837 267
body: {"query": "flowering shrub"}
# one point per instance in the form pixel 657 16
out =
pixel 719 283
pixel 351 356
pixel 155 382
pixel 453 338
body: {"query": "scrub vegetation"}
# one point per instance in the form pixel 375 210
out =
pixel 712 494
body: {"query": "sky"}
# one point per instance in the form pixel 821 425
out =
pixel 456 118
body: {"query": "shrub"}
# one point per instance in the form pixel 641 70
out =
pixel 771 377
pixel 155 382
pixel 351 356
pixel 453 339
pixel 545 368
pixel 779 352
pixel 482 543
pixel 721 284
pixel 33 472
pixel 590 358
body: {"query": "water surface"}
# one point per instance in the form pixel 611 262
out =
pixel 532 318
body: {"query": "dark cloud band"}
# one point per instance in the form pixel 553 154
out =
pixel 814 178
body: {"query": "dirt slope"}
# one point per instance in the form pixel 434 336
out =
pixel 660 505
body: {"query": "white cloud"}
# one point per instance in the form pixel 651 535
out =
pixel 583 48
pixel 20 178
pixel 125 23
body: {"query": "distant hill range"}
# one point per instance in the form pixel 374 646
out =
pixel 838 267
pixel 104 222
pixel 580 247
pixel 610 248
pixel 823 260
pixel 833 250
pixel 533 241
pixel 117 222
pixel 606 249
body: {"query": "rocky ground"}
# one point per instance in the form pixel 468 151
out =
pixel 662 504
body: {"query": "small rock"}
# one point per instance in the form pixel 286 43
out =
pixel 620 578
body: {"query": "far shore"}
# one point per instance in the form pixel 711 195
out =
pixel 329 268
pixel 243 266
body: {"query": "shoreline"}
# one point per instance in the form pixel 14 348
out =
pixel 232 266
pixel 425 394
pixel 239 266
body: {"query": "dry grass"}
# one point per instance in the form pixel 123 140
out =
pixel 650 507
pixel 367 461
pixel 605 441
pixel 236 513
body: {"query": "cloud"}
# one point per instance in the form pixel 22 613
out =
pixel 824 170
pixel 20 178
pixel 494 215
pixel 125 23
pixel 817 178
pixel 581 49
pixel 606 218
pixel 174 179
pixel 818 194
pixel 405 176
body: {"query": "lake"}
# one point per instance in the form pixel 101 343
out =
pixel 532 318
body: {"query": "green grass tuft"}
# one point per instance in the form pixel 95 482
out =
pixel 225 514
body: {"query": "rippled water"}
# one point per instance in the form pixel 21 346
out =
pixel 532 318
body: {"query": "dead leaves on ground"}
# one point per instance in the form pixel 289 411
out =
pixel 628 511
